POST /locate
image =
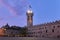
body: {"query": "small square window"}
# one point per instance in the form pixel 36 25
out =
pixel 46 31
pixel 53 26
pixel 58 36
pixel 52 30
pixel 58 26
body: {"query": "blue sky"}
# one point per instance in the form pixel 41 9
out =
pixel 13 12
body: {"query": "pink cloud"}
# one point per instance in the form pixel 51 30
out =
pixel 18 9
pixel 10 8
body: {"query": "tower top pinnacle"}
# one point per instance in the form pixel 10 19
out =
pixel 29 9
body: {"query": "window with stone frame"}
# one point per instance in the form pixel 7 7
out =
pixel 58 26
pixel 46 31
pixel 52 30
pixel 53 26
pixel 58 36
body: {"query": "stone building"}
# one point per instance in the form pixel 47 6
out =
pixel 51 29
pixel 45 30
pixel 11 31
pixel 2 31
pixel 7 31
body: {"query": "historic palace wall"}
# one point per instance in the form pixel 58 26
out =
pixel 45 30
pixel 27 38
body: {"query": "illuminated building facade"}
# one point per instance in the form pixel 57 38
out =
pixel 45 30
pixel 51 29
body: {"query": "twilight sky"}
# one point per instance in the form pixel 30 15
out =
pixel 13 12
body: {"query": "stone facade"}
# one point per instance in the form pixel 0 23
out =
pixel 9 32
pixel 45 30
pixel 51 29
pixel 2 31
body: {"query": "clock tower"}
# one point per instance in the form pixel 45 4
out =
pixel 29 14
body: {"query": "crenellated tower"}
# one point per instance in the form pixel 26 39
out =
pixel 29 14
